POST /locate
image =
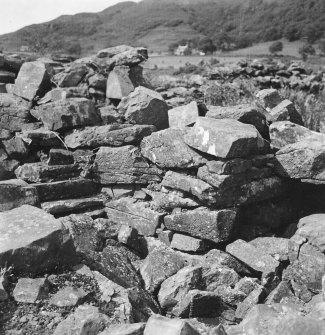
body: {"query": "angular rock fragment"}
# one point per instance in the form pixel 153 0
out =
pixel 183 116
pixel 119 83
pixel 67 297
pixel 188 243
pixel 110 135
pixel 268 98
pixel 7 169
pixel 144 106
pixel 160 325
pixel 136 214
pixel 67 114
pixel 277 247
pixel 123 165
pixel 60 157
pixel 15 193
pixel 285 111
pixel 167 149
pixel 72 76
pixel 16 148
pixel 125 329
pixel 41 137
pixel 33 81
pixel 215 226
pixel 29 290
pixel 244 113
pixel 225 138
pixel 32 240
pixel 41 172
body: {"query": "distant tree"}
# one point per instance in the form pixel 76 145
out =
pixel 271 34
pixel 306 50
pixel 172 47
pixel 206 45
pixel 276 47
pixel 312 32
pixel 222 41
pixel 291 33
pixel 74 49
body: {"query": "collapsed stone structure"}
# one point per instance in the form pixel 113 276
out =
pixel 187 212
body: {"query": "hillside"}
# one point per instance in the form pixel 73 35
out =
pixel 234 23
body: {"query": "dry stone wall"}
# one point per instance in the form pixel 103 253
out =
pixel 136 209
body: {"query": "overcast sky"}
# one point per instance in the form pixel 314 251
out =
pixel 15 14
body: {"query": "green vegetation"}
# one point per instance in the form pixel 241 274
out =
pixel 276 47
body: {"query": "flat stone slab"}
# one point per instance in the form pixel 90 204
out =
pixel 15 193
pixel 61 207
pixel 123 165
pixel 68 296
pixel 41 137
pixel 41 172
pixel 30 239
pixel 215 226
pixel 109 135
pixel 65 189
pixel 225 138
pixel 30 290
pixel 167 149
pixel 66 114
pixel 187 243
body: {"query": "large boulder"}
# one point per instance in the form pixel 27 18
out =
pixel 225 138
pixel 14 112
pixel 144 106
pixel 215 226
pixel 285 111
pixel 33 81
pixel 302 160
pixel 244 113
pixel 123 165
pixel 67 114
pixel 283 133
pixel 167 149
pixel 268 98
pixel 108 135
pixel 15 193
pixel 32 240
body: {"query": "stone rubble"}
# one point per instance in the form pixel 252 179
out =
pixel 120 215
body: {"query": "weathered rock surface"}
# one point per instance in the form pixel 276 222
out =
pixel 183 116
pixel 29 290
pixel 144 106
pixel 109 135
pixel 32 240
pixel 33 80
pixel 123 165
pixel 66 114
pixel 285 111
pixel 268 98
pixel 68 296
pixel 15 193
pixel 225 138
pixel 215 226
pixel 167 149
pixel 244 113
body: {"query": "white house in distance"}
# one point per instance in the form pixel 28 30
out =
pixel 183 50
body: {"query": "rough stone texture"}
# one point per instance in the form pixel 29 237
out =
pixel 14 112
pixel 15 193
pixel 268 98
pixel 131 57
pixel 312 228
pixel 32 240
pixel 283 133
pixel 7 169
pixel 72 75
pixel 108 135
pixel 68 296
pixel 286 111
pixel 160 325
pixel 188 243
pixel 183 116
pixel 167 149
pixel 277 247
pixel 112 51
pixel 60 207
pixel 119 83
pixel 129 236
pixel 86 319
pixel 41 172
pixel 127 329
pixel 123 165
pixel 29 290
pixel 216 276
pixel 225 138
pixel 253 186
pixel 159 265
pixel 60 157
pixel 254 257
pixel 136 214
pixel 65 189
pixel 176 287
pixel 244 113
pixel 203 223
pixel 66 114
pixel 16 148
pixel 33 80
pixel 41 137
pixel 302 160
pixel 144 106
pixel 199 188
